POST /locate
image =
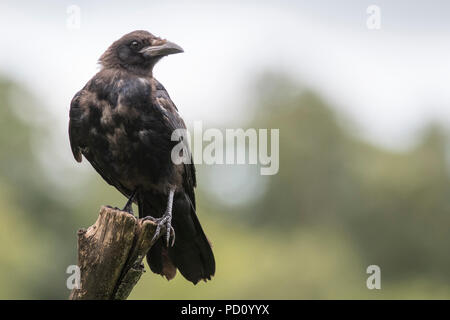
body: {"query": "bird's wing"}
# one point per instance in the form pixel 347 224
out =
pixel 77 137
pixel 170 114
pixel 192 254
pixel 75 130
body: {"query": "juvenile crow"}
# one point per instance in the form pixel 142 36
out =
pixel 122 122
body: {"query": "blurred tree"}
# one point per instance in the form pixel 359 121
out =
pixel 337 205
pixel 395 206
pixel 32 202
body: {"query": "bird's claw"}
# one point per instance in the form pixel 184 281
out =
pixel 165 223
pixel 128 208
pixel 129 205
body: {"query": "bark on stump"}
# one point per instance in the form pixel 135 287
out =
pixel 110 255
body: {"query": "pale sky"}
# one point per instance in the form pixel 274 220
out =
pixel 388 81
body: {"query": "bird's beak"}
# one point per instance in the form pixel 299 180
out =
pixel 161 50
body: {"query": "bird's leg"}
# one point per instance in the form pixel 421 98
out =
pixel 165 221
pixel 129 205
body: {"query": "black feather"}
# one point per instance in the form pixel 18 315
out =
pixel 122 122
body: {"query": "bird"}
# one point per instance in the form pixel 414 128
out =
pixel 122 122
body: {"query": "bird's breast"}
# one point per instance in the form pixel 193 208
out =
pixel 130 136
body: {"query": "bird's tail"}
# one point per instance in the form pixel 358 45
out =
pixel 191 254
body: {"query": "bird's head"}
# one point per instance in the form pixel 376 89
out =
pixel 138 52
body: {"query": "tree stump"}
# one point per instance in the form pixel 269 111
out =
pixel 110 255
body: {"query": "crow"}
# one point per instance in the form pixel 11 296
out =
pixel 122 122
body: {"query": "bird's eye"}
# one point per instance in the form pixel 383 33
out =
pixel 135 45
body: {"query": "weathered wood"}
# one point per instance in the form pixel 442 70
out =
pixel 110 255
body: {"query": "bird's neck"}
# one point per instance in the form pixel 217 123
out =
pixel 137 70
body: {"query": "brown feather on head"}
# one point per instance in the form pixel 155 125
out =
pixel 138 52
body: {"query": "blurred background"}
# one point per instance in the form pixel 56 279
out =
pixel 363 113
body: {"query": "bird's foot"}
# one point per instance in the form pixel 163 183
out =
pixel 129 205
pixel 164 223
pixel 128 208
